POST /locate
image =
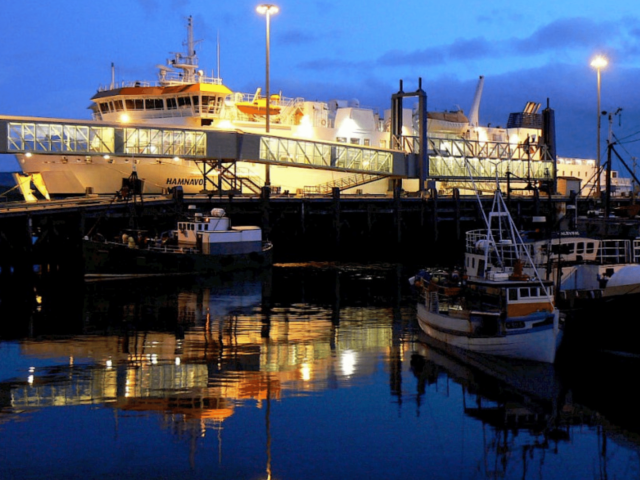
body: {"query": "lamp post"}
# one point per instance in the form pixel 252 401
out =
pixel 598 63
pixel 268 10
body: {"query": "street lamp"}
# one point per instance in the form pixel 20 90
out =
pixel 598 63
pixel 268 10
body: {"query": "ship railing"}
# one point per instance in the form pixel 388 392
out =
pixel 509 252
pixel 462 147
pixel 248 97
pixel 635 251
pixel 172 249
pixel 615 251
pixel 177 249
pixel 170 79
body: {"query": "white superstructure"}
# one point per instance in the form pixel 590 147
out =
pixel 184 97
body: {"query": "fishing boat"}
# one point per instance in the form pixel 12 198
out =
pixel 497 309
pixel 585 270
pixel 200 244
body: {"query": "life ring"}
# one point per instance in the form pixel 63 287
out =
pixel 323 122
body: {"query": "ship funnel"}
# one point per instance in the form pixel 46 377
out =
pixel 475 106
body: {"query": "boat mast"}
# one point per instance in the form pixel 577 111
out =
pixel 187 62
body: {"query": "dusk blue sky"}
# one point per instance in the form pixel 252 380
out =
pixel 56 54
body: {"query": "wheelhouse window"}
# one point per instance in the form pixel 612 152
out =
pixel 524 293
pixel 154 104
pixel 172 104
pixel 184 101
pixel 134 104
pixel 104 107
pixel 513 294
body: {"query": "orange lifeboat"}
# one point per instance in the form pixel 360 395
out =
pixel 258 106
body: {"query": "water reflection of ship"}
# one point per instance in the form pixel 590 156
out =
pixel 194 352
pixel 524 408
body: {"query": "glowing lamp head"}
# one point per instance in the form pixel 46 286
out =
pixel 268 9
pixel 599 62
pixel 125 118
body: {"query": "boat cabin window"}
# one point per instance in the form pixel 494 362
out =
pixel 513 294
pixel 119 106
pixel 134 104
pixel 104 107
pixel 172 104
pixel 341 139
pixel 154 104
pixel 591 247
pixel 212 104
pixel 562 248
pixel 355 141
pixel 184 101
pixel 524 293
pixel 580 247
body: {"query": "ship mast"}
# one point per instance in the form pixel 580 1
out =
pixel 188 62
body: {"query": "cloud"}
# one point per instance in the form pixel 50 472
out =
pixel 569 34
pixel 297 37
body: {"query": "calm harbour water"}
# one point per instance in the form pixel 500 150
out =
pixel 306 371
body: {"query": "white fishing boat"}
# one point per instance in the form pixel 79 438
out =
pixel 496 309
pixel 203 244
pixel 584 269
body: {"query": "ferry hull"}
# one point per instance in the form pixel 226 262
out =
pixel 102 176
pixel 538 343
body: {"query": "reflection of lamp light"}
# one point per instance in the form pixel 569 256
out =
pixel 348 362
pixel 598 63
pixel 305 371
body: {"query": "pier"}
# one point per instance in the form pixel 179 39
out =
pixel 339 226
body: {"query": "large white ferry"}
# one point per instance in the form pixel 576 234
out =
pixel 184 97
